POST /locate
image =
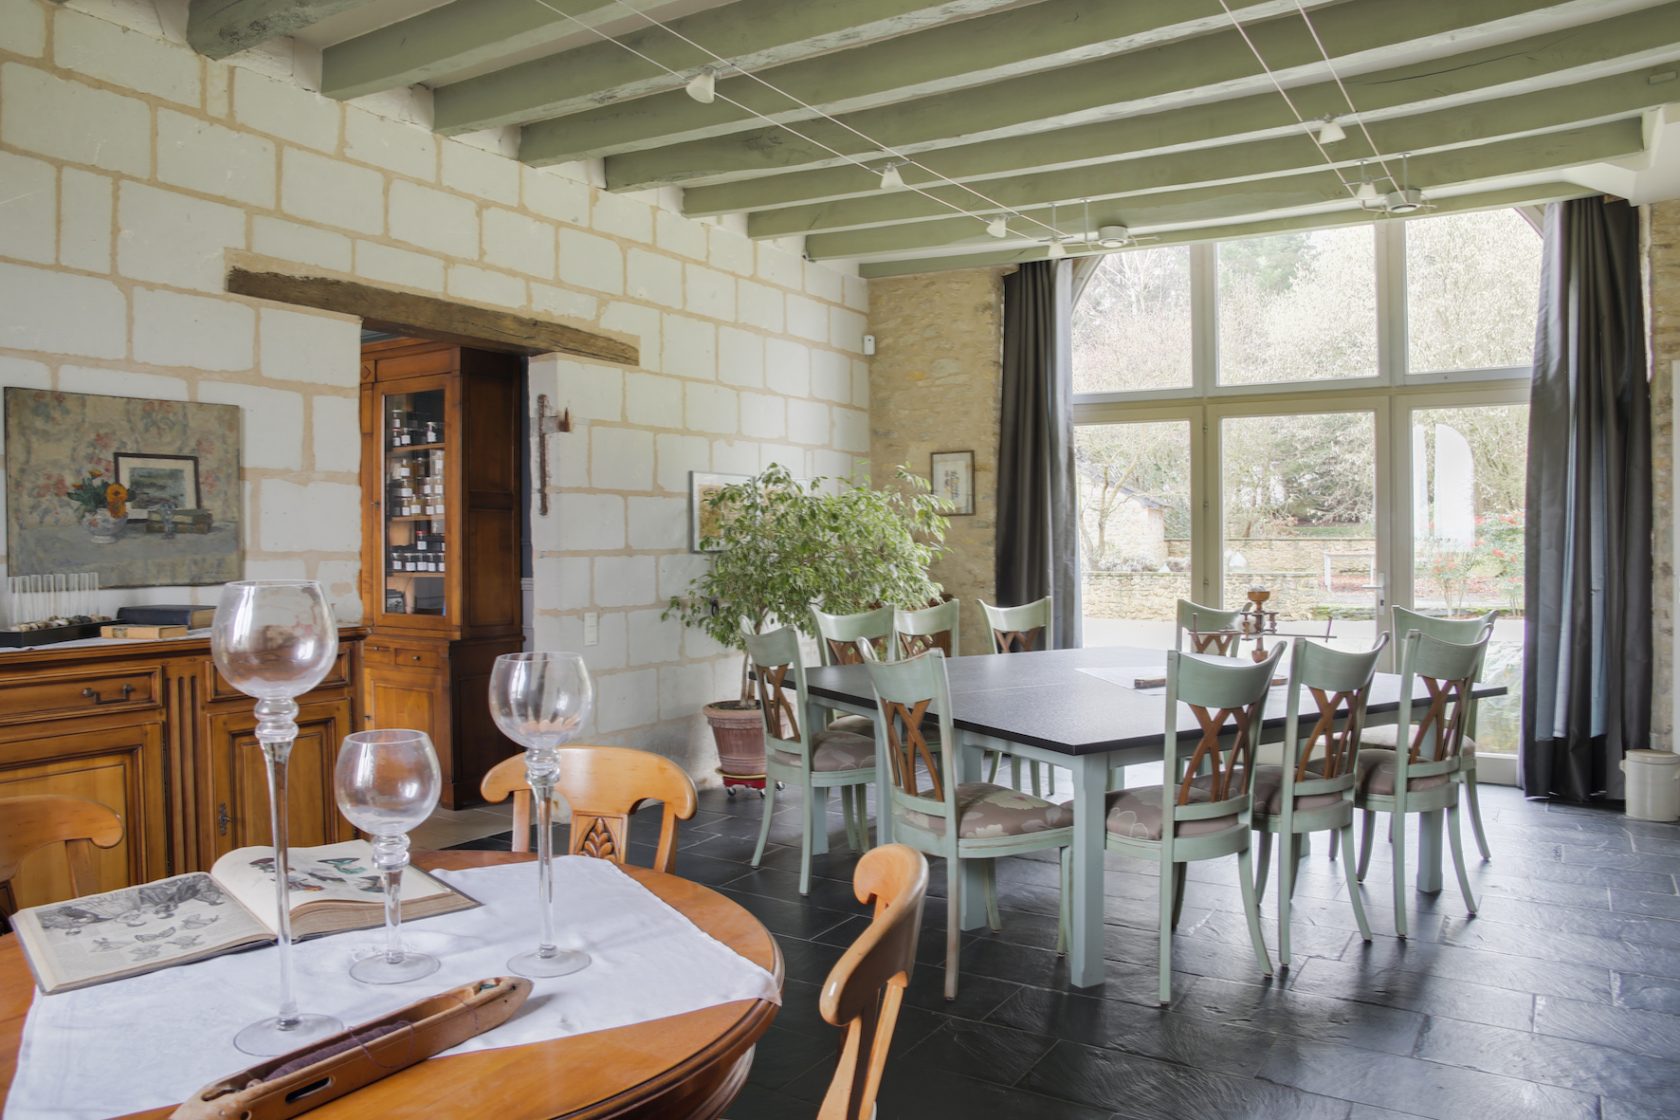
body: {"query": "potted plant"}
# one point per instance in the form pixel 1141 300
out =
pixel 779 546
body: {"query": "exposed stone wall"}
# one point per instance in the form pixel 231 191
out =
pixel 1662 235
pixel 934 385
pixel 133 167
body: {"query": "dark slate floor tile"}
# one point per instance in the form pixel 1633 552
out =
pixel 783 1055
pixel 1655 960
pixel 1562 977
pixel 785 919
pixel 1280 1012
pixel 979 1050
pixel 759 1102
pixel 826 894
pixel 1647 993
pixel 1418 991
pixel 912 1093
pixel 1640 1032
pixel 977 996
pixel 1647 903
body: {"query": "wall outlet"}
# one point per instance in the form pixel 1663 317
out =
pixel 591 628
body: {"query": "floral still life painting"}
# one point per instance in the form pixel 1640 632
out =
pixel 102 484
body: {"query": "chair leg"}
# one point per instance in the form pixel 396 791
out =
pixel 769 806
pixel 1354 893
pixel 1296 844
pixel 807 827
pixel 1263 862
pixel 1476 815
pixel 1178 892
pixel 1368 833
pixel 1251 907
pixel 1286 891
pixel 953 924
pixel 861 793
pixel 1457 843
pixel 1064 916
pixel 1398 832
pixel 848 818
pixel 993 918
pixel 1168 881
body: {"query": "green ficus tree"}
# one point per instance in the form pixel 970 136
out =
pixel 784 544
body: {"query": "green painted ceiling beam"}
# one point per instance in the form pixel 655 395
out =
pixel 1360 34
pixel 1466 125
pixel 753 34
pixel 1231 201
pixel 218 28
pixel 1540 62
pixel 1535 195
pixel 989 48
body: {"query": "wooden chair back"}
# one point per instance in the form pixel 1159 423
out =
pixel 1022 629
pixel 28 824
pixel 865 988
pixel 775 659
pixel 936 627
pixel 838 634
pixel 1211 630
pixel 1220 693
pixel 904 691
pixel 1434 738
pixel 1339 682
pixel 603 786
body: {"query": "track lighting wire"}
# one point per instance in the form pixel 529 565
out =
pixel 1347 97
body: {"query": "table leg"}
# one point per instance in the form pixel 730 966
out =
pixel 969 762
pixel 883 785
pixel 1085 941
pixel 1429 852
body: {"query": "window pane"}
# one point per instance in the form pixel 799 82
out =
pixel 1134 529
pixel 1298 307
pixel 1472 290
pixel 1131 329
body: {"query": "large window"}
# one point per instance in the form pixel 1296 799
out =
pixel 1338 416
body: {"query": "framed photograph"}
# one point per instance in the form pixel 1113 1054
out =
pixel 952 479
pixel 154 481
pixel 703 518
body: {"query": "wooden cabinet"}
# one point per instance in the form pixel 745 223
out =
pixel 440 561
pixel 151 730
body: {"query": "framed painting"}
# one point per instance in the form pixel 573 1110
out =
pixel 144 493
pixel 952 477
pixel 704 519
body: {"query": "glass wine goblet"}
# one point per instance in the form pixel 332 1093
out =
pixel 387 783
pixel 541 700
pixel 275 640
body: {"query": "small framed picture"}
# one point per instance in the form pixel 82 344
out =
pixel 156 481
pixel 704 519
pixel 952 479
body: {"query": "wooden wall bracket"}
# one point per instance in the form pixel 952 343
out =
pixel 549 423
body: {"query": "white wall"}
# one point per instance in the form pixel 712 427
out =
pixel 132 167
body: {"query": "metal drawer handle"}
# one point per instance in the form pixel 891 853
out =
pixel 98 699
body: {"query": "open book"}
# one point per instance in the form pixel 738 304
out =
pixel 188 918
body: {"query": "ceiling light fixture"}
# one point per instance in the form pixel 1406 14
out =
pixel 1113 237
pixel 890 178
pixel 998 226
pixel 703 86
pixel 1367 191
pixel 1329 132
pixel 1057 249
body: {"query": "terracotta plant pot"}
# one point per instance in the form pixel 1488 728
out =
pixel 739 733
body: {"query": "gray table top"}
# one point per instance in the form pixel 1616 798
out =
pixel 1044 700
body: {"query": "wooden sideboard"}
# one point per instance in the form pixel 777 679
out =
pixel 152 730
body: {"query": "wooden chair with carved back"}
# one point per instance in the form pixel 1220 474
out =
pixel 1210 630
pixel 837 638
pixel 865 988
pixel 1203 808
pixel 30 823
pixel 603 786
pixel 815 760
pixel 1027 628
pixel 936 627
pixel 1423 778
pixel 1312 790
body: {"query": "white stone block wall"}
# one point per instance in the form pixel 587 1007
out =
pixel 133 166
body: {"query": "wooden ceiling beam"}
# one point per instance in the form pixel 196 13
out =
pixel 1465 126
pixel 1256 197
pixel 1362 35
pixel 751 34
pixel 959 55
pixel 218 28
pixel 1538 63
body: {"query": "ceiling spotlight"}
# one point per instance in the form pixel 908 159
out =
pixel 1057 249
pixel 703 86
pixel 998 226
pixel 1407 200
pixel 1113 237
pixel 1329 131
pixel 1367 190
pixel 890 178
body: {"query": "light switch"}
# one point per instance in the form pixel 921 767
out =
pixel 591 628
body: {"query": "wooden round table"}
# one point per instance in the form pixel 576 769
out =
pixel 684 1065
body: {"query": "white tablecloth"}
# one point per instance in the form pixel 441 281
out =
pixel 153 1040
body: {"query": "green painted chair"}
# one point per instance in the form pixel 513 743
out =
pixel 1023 629
pixel 837 638
pixel 1211 630
pixel 936 627
pixel 1423 777
pixel 1196 815
pixel 1312 791
pixel 814 761
pixel 1462 631
pixel 936 814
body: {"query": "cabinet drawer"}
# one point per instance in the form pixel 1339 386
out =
pixel 78 692
pixel 338 676
pixel 412 657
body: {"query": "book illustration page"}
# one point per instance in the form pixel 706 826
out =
pixel 335 872
pixel 152 924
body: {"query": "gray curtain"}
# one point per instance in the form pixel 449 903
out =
pixel 1038 510
pixel 1587 655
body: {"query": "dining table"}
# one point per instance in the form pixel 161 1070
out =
pixel 1092 712
pixel 693 1064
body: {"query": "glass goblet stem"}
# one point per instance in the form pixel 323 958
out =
pixel 276 732
pixel 390 855
pixel 542 768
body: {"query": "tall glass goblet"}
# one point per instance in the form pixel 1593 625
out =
pixel 276 640
pixel 541 700
pixel 387 783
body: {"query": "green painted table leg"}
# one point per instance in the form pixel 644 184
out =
pixel 1085 941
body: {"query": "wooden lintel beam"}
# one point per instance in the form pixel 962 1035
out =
pixel 218 28
pixel 431 317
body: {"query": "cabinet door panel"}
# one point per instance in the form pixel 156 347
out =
pixel 121 768
pixel 237 815
pixel 412 698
